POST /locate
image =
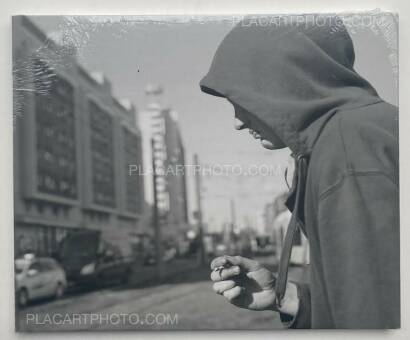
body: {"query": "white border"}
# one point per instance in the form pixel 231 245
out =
pixel 164 7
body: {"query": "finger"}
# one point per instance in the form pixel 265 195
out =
pixel 233 293
pixel 225 273
pixel 219 261
pixel 243 262
pixel 220 286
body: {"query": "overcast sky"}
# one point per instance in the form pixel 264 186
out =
pixel 177 54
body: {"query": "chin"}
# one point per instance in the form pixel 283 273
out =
pixel 270 146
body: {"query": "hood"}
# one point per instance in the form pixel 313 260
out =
pixel 292 73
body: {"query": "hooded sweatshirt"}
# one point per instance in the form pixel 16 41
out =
pixel 295 75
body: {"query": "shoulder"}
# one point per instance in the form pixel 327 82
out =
pixel 369 126
pixel 370 138
pixel 362 140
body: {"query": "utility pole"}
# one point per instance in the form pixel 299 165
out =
pixel 199 210
pixel 155 219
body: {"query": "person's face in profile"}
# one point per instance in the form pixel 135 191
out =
pixel 244 120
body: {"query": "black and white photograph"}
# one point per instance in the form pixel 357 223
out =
pixel 206 172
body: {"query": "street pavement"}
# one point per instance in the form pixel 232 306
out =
pixel 185 301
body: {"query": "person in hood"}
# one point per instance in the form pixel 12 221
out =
pixel 293 84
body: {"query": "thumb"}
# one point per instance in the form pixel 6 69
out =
pixel 244 263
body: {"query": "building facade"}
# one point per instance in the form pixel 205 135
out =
pixel 171 188
pixel 73 145
pixel 176 171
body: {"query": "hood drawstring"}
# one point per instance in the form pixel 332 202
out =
pixel 294 201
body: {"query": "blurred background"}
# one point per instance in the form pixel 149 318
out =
pixel 128 180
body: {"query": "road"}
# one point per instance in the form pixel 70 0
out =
pixel 185 302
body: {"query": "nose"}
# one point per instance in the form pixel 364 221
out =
pixel 239 125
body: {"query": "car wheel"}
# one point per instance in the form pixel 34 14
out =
pixel 22 298
pixel 126 277
pixel 59 292
pixel 99 282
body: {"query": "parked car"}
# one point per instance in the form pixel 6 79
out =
pixel 108 268
pixel 38 278
pixel 167 256
pixel 88 260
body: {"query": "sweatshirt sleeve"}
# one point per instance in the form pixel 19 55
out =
pixel 358 235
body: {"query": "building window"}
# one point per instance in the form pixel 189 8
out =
pixel 102 155
pixel 54 110
pixel 132 181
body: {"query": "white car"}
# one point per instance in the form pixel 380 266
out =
pixel 37 278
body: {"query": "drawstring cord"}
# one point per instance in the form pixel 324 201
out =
pixel 292 155
pixel 286 177
pixel 299 182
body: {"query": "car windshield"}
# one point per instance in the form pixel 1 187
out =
pixel 19 265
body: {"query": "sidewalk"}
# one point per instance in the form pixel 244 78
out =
pixel 148 274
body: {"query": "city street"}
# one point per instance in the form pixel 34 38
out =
pixel 185 302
